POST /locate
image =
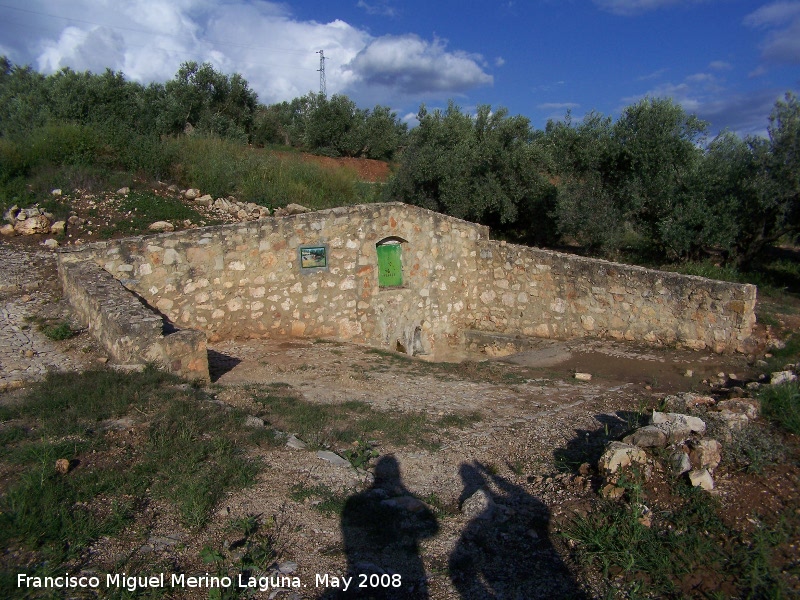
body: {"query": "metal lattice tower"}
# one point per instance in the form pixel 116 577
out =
pixel 322 87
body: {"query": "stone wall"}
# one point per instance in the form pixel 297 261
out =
pixel 554 295
pixel 132 333
pixel 245 280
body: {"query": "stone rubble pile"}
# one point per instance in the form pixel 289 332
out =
pixel 683 437
pixel 30 221
pixel 35 220
pixel 243 211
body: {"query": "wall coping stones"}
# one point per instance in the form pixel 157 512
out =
pixel 131 332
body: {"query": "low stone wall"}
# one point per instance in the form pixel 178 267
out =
pixel 554 295
pixel 132 333
pixel 248 280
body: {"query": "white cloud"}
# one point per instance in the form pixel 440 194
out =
pixel 378 7
pixel 720 65
pixel 410 65
pixel 635 7
pixel 557 105
pixel 276 52
pixel 706 96
pixel 782 22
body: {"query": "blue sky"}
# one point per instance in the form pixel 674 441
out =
pixel 727 61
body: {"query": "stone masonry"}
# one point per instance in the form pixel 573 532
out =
pixel 246 280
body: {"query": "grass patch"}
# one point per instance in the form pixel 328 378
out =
pixel 59 332
pixel 687 551
pixel 781 405
pixel 322 498
pixel 754 447
pixel 326 425
pixel 145 208
pixel 178 447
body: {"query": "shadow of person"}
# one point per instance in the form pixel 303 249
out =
pixel 505 551
pixel 382 528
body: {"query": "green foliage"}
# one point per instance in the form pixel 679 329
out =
pixel 191 457
pixel 481 168
pixel 144 208
pixel 781 404
pixel 657 561
pixel 331 127
pixel 59 332
pixel 361 454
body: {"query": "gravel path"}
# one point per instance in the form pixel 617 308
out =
pixel 29 290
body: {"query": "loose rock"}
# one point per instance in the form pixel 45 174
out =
pixel 478 506
pixel 702 478
pixel 780 377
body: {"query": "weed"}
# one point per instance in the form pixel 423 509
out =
pixel 459 420
pixel 145 208
pixel 753 448
pixel 361 455
pixel 327 501
pixel 657 560
pixel 326 425
pixel 781 404
pixel 59 332
pixel 191 456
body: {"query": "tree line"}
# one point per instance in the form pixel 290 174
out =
pixel 648 182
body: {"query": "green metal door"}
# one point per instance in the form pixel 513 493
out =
pixel 390 265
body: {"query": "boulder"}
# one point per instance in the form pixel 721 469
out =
pixel 50 243
pixel 702 478
pixel 191 194
pixel 161 226
pixel 650 436
pixel 583 376
pixel 705 454
pixel 124 191
pixel 618 456
pixel 253 421
pixel 740 406
pixel 478 506
pixel 680 462
pixel 205 200
pixel 780 377
pixel 56 192
pixel 33 225
pixel 295 209
pixel 333 458
pixel 680 426
pixel 7 230
pixel 11 214
pixel 58 227
pixel 687 401
pixel 729 422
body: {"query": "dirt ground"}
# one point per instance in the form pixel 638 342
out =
pixel 522 414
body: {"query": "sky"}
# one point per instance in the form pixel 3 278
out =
pixel 727 61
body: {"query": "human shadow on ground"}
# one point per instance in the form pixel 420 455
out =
pixel 382 528
pixel 505 551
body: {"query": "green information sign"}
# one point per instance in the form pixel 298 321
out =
pixel 390 265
